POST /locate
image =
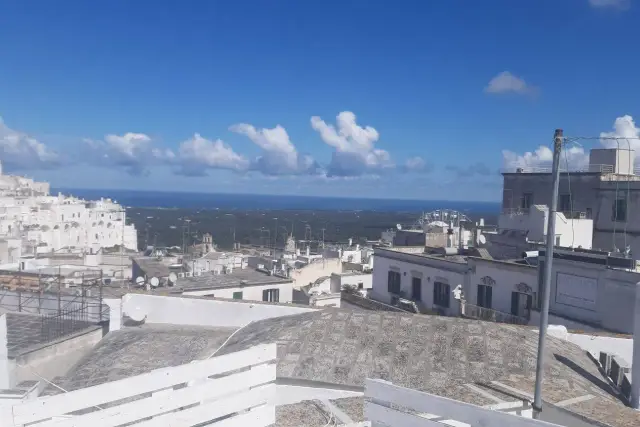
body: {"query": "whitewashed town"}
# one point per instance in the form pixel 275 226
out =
pixel 441 316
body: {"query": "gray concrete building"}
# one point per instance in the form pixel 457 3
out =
pixel 606 190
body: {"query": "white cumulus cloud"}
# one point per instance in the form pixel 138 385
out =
pixel 625 134
pixel 21 151
pixel 132 152
pixel 279 155
pixel 542 158
pixel 416 164
pixel 615 4
pixel 354 151
pixel 505 82
pixel 197 154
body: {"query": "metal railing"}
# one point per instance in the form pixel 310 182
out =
pixel 64 322
pixel 547 169
pixel 488 314
pixel 525 211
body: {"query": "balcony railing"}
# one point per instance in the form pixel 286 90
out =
pixel 547 169
pixel 481 313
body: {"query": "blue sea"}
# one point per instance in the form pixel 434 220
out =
pixel 159 199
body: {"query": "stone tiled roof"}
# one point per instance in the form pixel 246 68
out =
pixel 434 354
pixel 138 350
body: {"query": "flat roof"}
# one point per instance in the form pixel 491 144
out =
pixel 237 278
pixel 398 254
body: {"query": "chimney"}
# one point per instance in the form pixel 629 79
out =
pixel 635 366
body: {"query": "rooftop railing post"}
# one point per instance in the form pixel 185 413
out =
pixel 544 314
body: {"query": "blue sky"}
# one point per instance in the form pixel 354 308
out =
pixel 349 98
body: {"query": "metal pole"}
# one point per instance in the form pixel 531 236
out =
pixel 551 230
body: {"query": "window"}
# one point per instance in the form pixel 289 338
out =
pixel 521 304
pixel 271 295
pixel 588 213
pixel 360 285
pixel 393 282
pixel 620 209
pixel 565 203
pixel 237 295
pixel 485 294
pixel 526 201
pixel 441 292
pixel 558 240
pixel 416 289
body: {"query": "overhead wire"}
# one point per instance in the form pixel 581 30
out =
pixel 34 372
pixel 617 189
pixel 626 217
pixel 573 233
pixel 615 208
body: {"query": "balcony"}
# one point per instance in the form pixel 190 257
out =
pixel 481 313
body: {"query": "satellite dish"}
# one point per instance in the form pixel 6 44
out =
pixel 173 278
pixel 136 314
pixel 154 282
pixel 399 226
pixel 139 280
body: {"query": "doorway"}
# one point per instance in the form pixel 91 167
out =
pixel 521 304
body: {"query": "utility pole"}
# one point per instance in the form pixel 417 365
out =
pixel 551 231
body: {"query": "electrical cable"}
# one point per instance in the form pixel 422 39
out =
pixel 615 208
pixel 629 171
pixel 573 234
pixel 228 339
pixel 34 372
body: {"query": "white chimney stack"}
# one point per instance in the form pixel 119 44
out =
pixel 635 366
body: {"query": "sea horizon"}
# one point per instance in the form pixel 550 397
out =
pixel 243 201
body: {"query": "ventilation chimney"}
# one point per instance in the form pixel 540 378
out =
pixel 635 366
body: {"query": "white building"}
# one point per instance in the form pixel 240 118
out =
pixel 353 279
pixel 427 280
pixel 218 261
pixel 241 284
pixel 521 230
pixel 32 221
pixel 587 293
pixel 603 191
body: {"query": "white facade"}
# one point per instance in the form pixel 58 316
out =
pixel 249 292
pixel 218 261
pixel 360 281
pixel 427 271
pixel 569 233
pixel 44 223
pixel 585 296
pixel 594 294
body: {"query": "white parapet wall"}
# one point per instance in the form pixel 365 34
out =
pixel 202 312
pixel 239 388
pixel 428 410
